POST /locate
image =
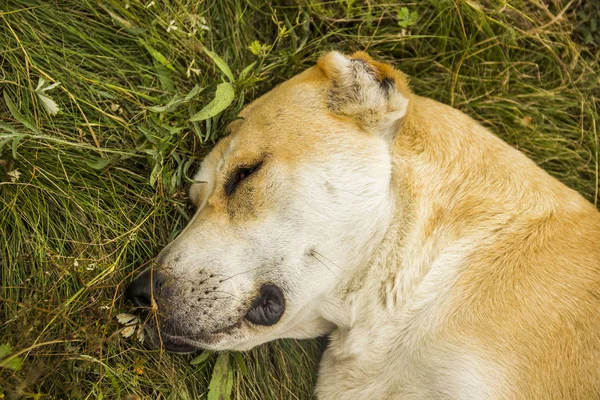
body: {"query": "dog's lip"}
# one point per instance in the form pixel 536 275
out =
pixel 177 344
pixel 188 344
pixel 228 328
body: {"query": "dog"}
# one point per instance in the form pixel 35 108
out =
pixel 441 262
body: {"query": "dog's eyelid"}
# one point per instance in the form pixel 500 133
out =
pixel 241 173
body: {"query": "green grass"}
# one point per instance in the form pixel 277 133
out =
pixel 103 183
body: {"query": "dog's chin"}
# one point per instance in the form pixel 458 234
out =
pixel 223 339
pixel 171 343
pixel 175 344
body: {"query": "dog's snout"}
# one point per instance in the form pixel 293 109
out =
pixel 144 287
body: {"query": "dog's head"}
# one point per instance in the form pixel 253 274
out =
pixel 289 205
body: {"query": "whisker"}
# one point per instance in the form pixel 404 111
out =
pixel 334 264
pixel 325 265
pixel 231 296
pixel 211 317
pixel 225 292
pixel 220 298
pixel 241 273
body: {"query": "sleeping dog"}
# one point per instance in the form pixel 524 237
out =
pixel 441 262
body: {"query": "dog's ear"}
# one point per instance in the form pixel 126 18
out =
pixel 374 94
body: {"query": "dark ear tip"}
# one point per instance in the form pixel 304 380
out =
pixel 359 60
pixel 387 84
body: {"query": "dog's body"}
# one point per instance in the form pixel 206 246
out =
pixel 443 262
pixel 486 286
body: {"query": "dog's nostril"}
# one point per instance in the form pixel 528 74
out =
pixel 142 300
pixel 268 307
pixel 138 295
pixel 146 285
pixel 158 283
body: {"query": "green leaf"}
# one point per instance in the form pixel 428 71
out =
pixel 125 24
pixel 221 383
pixel 414 17
pixel 224 95
pixel 255 47
pixel 106 95
pixel 17 114
pixel 9 128
pixel 174 181
pixel 14 363
pixel 403 13
pixel 407 18
pixel 259 49
pixel 220 63
pixel 186 167
pixel 48 104
pixel 15 145
pixel 157 55
pixel 15 138
pixel 159 109
pixel 201 358
pixel 196 90
pixel 45 100
pixel 240 362
pixel 4 142
pixel 247 70
pixel 164 76
pixel 5 350
pixel 155 172
pixel 100 163
pixel 176 101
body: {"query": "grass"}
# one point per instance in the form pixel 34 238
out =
pixel 102 184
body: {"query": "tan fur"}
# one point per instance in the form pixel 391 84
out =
pixel 450 265
pixel 529 292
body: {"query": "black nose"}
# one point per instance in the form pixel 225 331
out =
pixel 268 307
pixel 145 286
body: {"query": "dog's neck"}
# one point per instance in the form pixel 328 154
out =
pixel 381 281
pixel 428 226
pixel 441 207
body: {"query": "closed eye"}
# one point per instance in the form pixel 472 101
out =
pixel 238 176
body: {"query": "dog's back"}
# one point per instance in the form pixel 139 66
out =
pixel 497 288
pixel 526 295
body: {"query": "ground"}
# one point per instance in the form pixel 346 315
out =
pixel 94 170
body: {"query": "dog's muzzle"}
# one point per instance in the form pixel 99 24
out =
pixel 144 293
